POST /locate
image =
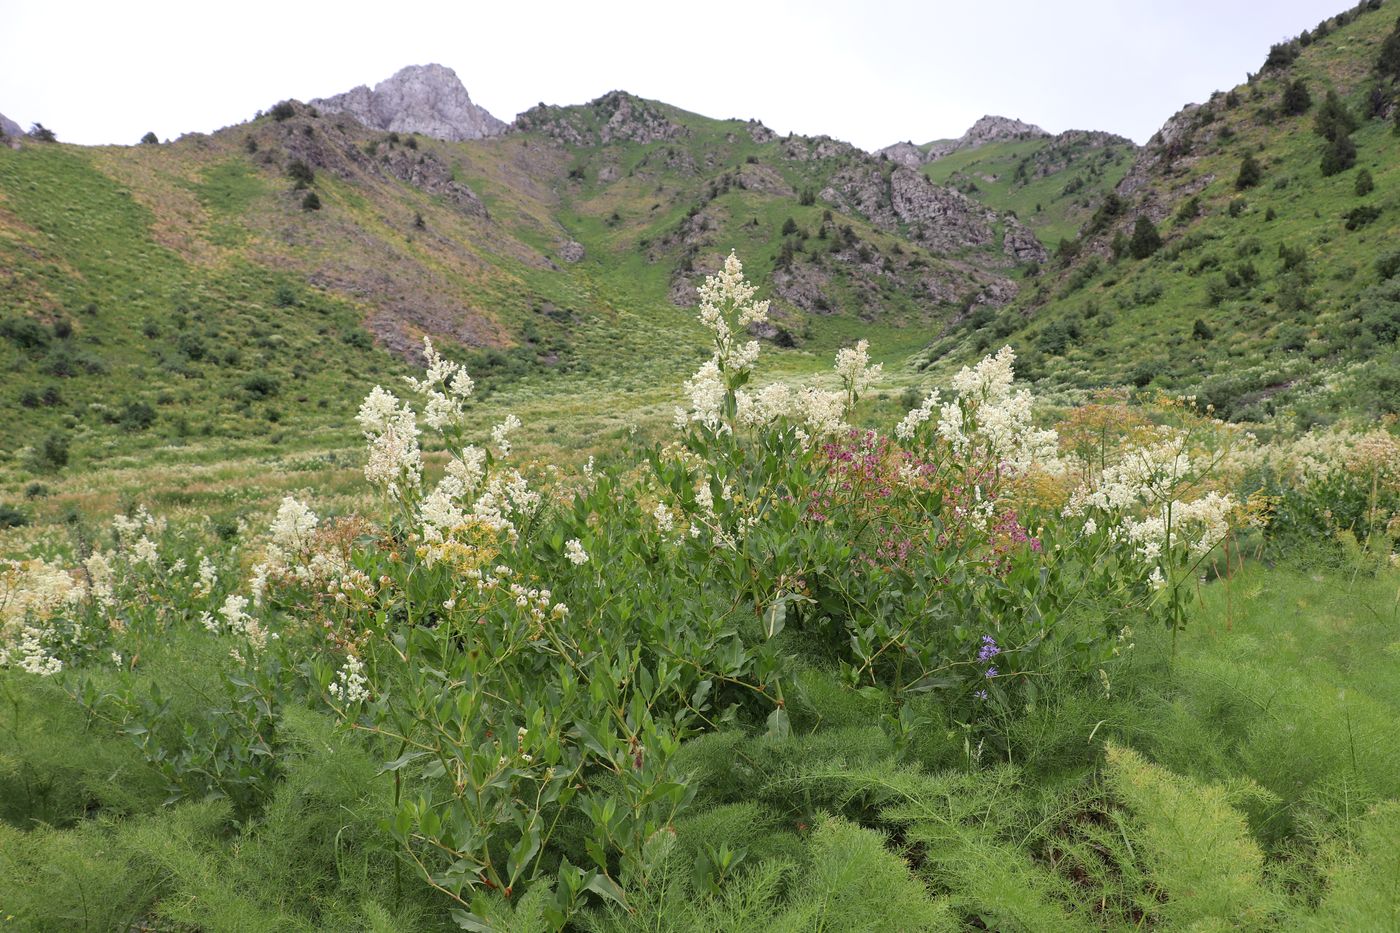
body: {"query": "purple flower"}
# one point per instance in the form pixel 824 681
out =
pixel 981 694
pixel 989 649
pixel 991 672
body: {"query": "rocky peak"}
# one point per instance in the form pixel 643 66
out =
pixel 989 129
pixel 10 128
pixel 617 116
pixel 427 99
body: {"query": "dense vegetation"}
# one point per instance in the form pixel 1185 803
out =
pixel 778 672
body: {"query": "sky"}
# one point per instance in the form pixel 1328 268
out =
pixel 871 73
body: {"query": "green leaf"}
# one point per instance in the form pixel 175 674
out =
pixel 605 886
pixel 778 725
pixel 399 762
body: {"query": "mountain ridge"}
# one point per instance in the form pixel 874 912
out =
pixel 428 99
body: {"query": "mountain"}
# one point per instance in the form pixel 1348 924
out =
pixel 427 99
pixel 1273 290
pixel 225 282
pixel 1050 183
pixel 988 129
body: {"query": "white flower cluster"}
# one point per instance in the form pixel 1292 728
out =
pixel 350 684
pixel 573 549
pixel 134 534
pixel 989 414
pixel 395 460
pixel 445 385
pixel 236 620
pixel 854 369
pixel 34 594
pixel 1146 500
pixel 726 304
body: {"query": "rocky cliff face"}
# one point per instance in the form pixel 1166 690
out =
pixel 427 99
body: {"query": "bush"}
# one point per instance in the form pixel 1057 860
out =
pixel 1365 184
pixel 136 416
pixel 1358 217
pixel 789 227
pixel 282 111
pixel 1388 265
pixel 301 173
pixel 1146 240
pixel 1296 99
pixel 24 332
pixel 1250 173
pixel 1201 330
pixel 51 455
pixel 312 202
pixel 41 133
pixel 1333 119
pixel 261 385
pixel 149 140
pixel 11 517
pixel 1339 156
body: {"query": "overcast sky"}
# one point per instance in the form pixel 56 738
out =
pixel 872 73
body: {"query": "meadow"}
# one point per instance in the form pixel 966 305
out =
pixel 766 647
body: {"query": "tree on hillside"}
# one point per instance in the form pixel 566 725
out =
pixel 1251 173
pixel 149 139
pixel 1296 99
pixel 1334 119
pixel 1388 62
pixel 1365 184
pixel 42 133
pixel 1339 156
pixel 1146 240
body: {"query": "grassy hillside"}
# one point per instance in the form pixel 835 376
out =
pixel 1053 185
pixel 1268 294
pixel 238 283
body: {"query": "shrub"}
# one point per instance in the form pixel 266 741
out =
pixel 51 455
pixel 1333 119
pixel 149 139
pixel 1339 156
pixel 301 173
pixel 1201 330
pixel 24 332
pixel 1365 184
pixel 282 111
pixel 261 385
pixel 789 227
pixel 1146 240
pixel 1358 217
pixel 1296 99
pixel 1388 266
pixel 11 517
pixel 41 133
pixel 136 416
pixel 1250 173
pixel 312 202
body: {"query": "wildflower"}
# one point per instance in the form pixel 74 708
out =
pixel 573 549
pixel 500 434
pixel 665 521
pixel 350 684
pixel 989 649
pixel 294 526
pixel 854 369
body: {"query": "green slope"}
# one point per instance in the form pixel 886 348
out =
pixel 1286 278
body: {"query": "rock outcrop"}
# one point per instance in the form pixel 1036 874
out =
pixel 615 117
pixel 989 129
pixel 10 128
pixel 427 99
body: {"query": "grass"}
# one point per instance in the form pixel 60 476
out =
pixel 1249 781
